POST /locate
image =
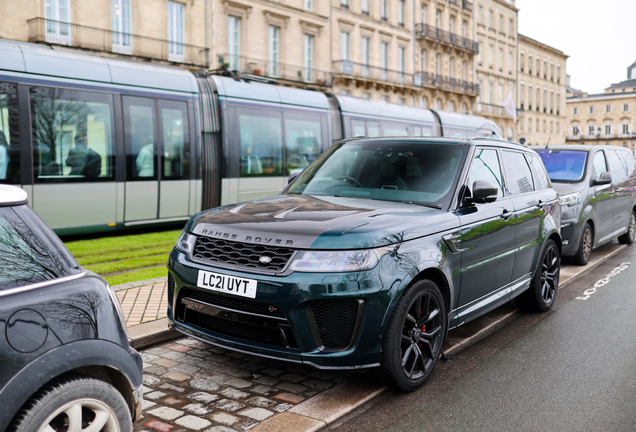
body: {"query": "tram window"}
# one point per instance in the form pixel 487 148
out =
pixel 72 135
pixel 416 131
pixel 303 139
pixel 427 131
pixel 9 138
pixel 373 129
pixel 141 144
pixel 176 155
pixel 357 128
pixel 261 139
pixel 454 132
pixel 395 129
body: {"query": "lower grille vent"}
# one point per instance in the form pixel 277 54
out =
pixel 336 321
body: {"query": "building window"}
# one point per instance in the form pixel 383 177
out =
pixel 529 125
pixel 464 28
pixel 552 71
pixel 344 4
pixel 364 48
pixel 344 92
pixel 423 13
pixel 309 5
pixel 510 62
pixel 58 32
pixel 273 50
pixel 522 62
pixel 451 24
pixel 545 68
pixel 625 128
pixel 510 134
pixel 401 64
pixel 438 104
pixel 557 127
pixel 233 42
pixel 366 95
pixel 491 91
pixel 451 66
pixel 402 101
pixel 550 127
pixel 451 106
pixel 121 26
pixel 175 32
pixel 608 129
pixel 530 64
pixel 384 60
pixel 575 129
pixel 512 27
pixel 626 107
pixel 575 111
pixel 480 15
pixel 384 98
pixel 501 59
pixel 438 18
pixel 501 23
pixel 423 102
pixel 591 129
pixel 438 64
pixel 521 94
pixel 464 108
pixel 591 110
pixel 538 98
pixel 423 61
pixel 383 10
pixel 529 99
pixel 491 19
pixel 309 57
pixel 365 7
pixel 537 125
pixel 490 55
pixel 401 13
pixel 464 70
pixel 558 76
pixel 344 46
pixel 608 109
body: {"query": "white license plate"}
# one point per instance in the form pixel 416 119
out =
pixel 227 284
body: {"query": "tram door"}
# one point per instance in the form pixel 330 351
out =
pixel 141 143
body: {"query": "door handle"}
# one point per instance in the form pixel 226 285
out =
pixel 505 215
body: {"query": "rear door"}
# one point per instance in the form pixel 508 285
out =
pixel 604 197
pixel 622 194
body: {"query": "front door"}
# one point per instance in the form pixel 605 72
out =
pixel 604 197
pixel 622 194
pixel 487 242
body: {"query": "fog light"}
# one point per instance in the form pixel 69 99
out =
pixel 566 242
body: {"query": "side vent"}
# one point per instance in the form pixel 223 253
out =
pixel 171 285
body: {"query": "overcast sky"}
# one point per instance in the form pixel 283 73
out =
pixel 598 35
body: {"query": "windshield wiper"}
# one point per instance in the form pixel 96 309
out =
pixel 423 204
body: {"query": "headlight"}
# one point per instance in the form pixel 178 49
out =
pixel 185 242
pixel 340 261
pixel 570 199
pixel 117 304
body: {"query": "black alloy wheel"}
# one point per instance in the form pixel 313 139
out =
pixel 585 246
pixel 541 294
pixel 630 236
pixel 414 337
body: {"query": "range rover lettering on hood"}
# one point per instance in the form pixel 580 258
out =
pixel 245 238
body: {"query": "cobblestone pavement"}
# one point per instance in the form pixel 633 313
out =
pixel 192 386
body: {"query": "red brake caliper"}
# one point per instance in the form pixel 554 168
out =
pixel 423 330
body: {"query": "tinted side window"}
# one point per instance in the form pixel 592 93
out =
pixel 539 171
pixel 600 165
pixel 261 142
pixel 486 167
pixel 394 129
pixel 616 167
pixel 72 135
pixel 303 140
pixel 176 141
pixel 357 128
pixel 628 158
pixel 141 138
pixel 9 138
pixel 26 257
pixel 518 173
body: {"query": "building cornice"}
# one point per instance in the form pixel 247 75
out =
pixel 528 40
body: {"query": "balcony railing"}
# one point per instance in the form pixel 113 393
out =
pixel 455 2
pixel 485 108
pixel 359 70
pixel 102 40
pixel 437 34
pixel 447 83
pixel 277 70
pixel 468 5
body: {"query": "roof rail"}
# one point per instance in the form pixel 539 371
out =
pixel 495 139
pixel 237 75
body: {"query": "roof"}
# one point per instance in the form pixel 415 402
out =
pixel 354 105
pixel 624 84
pixel 555 50
pixel 60 62
pixel 256 91
pixel 580 147
pixel 12 195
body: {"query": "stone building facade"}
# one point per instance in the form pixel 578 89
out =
pixel 604 119
pixel 496 66
pixel 541 93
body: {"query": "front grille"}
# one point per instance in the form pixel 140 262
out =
pixel 336 322
pixel 270 336
pixel 170 290
pixel 233 302
pixel 241 255
pixel 567 233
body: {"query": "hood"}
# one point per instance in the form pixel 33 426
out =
pixel 326 223
pixel 568 188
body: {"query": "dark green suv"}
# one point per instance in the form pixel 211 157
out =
pixel 371 255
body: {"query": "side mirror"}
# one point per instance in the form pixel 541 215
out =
pixel 483 192
pixel 606 178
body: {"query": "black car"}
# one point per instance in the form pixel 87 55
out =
pixel 597 185
pixel 64 355
pixel 371 255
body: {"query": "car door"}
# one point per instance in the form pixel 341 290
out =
pixel 528 205
pixel 603 199
pixel 620 189
pixel 486 241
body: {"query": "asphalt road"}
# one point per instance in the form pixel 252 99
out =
pixel 571 369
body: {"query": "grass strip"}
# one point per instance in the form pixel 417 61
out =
pixel 137 275
pixel 118 256
pixel 127 264
pixel 124 243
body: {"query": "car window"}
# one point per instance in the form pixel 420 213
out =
pixel 616 167
pixel 539 171
pixel 600 165
pixel 486 167
pixel 27 255
pixel 627 157
pixel 518 173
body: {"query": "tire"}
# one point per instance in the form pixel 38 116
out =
pixel 541 294
pixel 74 399
pixel 585 246
pixel 630 236
pixel 414 337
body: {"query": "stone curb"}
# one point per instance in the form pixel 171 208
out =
pixel 332 404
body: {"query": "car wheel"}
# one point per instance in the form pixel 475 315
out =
pixel 414 337
pixel 77 404
pixel 630 236
pixel 543 288
pixel 585 246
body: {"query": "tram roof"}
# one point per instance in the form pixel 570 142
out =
pixel 354 105
pixel 58 62
pixel 463 120
pixel 256 91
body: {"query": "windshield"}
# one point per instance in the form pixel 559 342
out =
pixel 405 172
pixel 564 165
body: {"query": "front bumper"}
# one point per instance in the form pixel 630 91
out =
pixel 571 232
pixel 138 398
pixel 327 320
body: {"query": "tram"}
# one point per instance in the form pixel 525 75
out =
pixel 103 144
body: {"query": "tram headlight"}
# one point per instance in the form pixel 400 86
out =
pixel 185 242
